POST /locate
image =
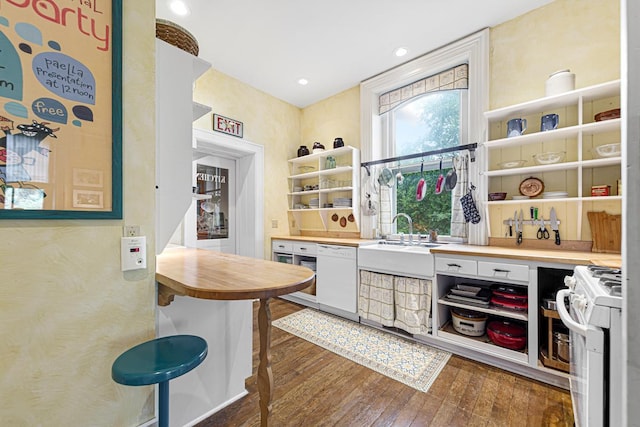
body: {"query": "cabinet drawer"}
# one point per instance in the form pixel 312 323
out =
pixel 503 271
pixel 456 265
pixel 305 248
pixel 282 246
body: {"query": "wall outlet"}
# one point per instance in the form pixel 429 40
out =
pixel 274 223
pixel 131 230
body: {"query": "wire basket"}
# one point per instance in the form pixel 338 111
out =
pixel 177 36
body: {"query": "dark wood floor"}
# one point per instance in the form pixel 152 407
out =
pixel 315 387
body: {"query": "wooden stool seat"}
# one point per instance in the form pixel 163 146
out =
pixel 158 361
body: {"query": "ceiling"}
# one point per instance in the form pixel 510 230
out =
pixel 334 44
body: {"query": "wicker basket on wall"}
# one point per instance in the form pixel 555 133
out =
pixel 177 36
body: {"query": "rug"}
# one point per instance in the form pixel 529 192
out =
pixel 414 364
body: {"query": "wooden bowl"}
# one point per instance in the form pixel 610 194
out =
pixel 497 196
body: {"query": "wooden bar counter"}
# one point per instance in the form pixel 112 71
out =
pixel 206 274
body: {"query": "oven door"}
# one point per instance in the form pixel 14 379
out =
pixel 587 379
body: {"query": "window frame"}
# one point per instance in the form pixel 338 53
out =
pixel 474 50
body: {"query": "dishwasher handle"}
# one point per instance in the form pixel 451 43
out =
pixel 337 251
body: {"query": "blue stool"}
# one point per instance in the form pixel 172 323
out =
pixel 158 361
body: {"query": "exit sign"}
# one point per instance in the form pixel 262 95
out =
pixel 227 125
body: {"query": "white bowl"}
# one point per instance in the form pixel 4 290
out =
pixel 510 164
pixel 608 150
pixel 549 158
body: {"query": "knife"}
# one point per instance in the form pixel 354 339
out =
pixel 510 227
pixel 519 225
pixel 554 225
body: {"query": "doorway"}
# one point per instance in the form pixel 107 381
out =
pixel 210 223
pixel 246 159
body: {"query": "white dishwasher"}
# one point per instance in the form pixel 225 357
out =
pixel 337 280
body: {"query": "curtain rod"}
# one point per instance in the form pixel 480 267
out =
pixel 470 147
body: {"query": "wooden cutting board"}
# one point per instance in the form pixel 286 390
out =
pixel 606 230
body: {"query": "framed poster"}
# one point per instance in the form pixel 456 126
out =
pixel 61 109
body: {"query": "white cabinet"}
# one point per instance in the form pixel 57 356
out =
pixel 577 136
pixel 176 71
pixel 486 274
pixel 324 190
pixel 298 253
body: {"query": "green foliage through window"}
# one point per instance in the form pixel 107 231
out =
pixel 427 123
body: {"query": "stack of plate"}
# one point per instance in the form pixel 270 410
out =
pixel 314 203
pixel 342 202
pixel 555 195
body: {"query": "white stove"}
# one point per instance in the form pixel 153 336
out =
pixel 595 323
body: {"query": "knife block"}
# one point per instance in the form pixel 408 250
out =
pixel 606 231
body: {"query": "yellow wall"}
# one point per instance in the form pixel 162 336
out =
pixel 66 309
pixel 524 51
pixel 267 121
pixel 337 116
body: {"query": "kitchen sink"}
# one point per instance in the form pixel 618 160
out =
pixel 398 258
pixel 396 244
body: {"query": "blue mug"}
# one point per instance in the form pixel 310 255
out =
pixel 516 127
pixel 549 122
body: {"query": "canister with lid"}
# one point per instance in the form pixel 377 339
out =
pixel 560 82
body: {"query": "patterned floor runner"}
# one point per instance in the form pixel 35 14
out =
pixel 416 365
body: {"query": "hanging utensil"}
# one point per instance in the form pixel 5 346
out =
pixel 440 180
pixel 451 179
pixel 421 188
pixel 519 226
pixel 399 176
pixel 554 225
pixel 386 178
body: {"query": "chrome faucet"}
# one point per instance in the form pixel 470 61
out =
pixel 410 221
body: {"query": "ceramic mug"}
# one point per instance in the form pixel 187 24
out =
pixel 516 127
pixel 549 122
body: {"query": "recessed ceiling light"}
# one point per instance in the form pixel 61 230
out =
pixel 179 7
pixel 303 82
pixel 401 51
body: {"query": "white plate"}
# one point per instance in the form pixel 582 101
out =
pixel 520 197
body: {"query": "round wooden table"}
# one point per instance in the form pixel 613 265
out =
pixel 206 274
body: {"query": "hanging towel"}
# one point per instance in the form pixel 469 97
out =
pixel 413 304
pixel 375 297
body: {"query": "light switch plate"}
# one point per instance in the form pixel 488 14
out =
pixel 133 253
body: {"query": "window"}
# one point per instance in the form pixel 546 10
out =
pixel 430 122
pixel 389 130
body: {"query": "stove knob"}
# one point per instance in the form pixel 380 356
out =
pixel 570 282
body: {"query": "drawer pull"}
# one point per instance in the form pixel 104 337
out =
pixel 500 270
pixel 281 246
pixel 454 265
pixel 303 249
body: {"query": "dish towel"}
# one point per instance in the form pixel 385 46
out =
pixel 413 304
pixel 375 297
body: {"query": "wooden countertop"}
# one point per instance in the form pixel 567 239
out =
pixel 206 274
pixel 326 240
pixel 561 257
pixel 551 256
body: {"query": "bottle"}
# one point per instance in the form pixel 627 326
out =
pixel 338 142
pixel 303 151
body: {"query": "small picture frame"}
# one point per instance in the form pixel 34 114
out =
pixel 88 199
pixel 88 178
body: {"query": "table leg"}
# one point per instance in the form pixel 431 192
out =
pixel 265 376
